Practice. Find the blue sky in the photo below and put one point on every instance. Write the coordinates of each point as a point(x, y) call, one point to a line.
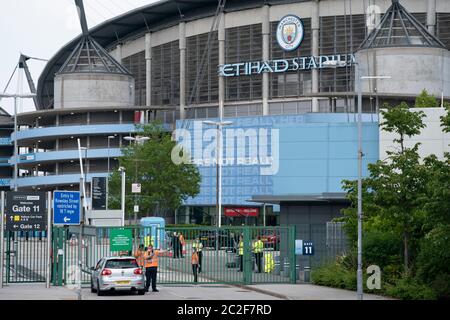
point(39, 28)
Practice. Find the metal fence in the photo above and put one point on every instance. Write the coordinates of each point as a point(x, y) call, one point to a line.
point(25, 257)
point(222, 259)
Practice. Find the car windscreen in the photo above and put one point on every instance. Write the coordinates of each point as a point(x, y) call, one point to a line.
point(121, 264)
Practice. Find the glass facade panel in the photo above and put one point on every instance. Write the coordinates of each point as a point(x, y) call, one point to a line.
point(207, 89)
point(137, 67)
point(243, 44)
point(443, 28)
point(166, 74)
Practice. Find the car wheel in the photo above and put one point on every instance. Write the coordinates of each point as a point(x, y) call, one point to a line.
point(93, 290)
point(99, 292)
point(141, 292)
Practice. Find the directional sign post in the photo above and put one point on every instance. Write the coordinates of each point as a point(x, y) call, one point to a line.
point(25, 211)
point(66, 207)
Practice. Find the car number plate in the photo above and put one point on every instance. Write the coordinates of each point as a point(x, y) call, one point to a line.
point(123, 282)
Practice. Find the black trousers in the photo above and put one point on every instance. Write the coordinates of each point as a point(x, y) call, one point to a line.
point(241, 263)
point(195, 272)
point(200, 258)
point(150, 277)
point(258, 259)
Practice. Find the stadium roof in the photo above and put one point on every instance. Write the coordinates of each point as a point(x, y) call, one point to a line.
point(399, 28)
point(134, 24)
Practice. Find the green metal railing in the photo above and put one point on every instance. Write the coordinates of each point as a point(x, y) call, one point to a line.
point(221, 260)
point(25, 257)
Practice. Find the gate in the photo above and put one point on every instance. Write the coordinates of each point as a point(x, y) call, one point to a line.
point(25, 257)
point(221, 259)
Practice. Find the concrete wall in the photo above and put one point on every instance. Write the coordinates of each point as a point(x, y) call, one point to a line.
point(433, 140)
point(412, 70)
point(93, 90)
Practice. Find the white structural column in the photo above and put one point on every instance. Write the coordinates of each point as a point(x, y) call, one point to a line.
point(182, 43)
point(221, 38)
point(431, 16)
point(315, 52)
point(265, 57)
point(119, 53)
point(148, 69)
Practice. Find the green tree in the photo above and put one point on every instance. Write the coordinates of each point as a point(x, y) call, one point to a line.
point(425, 100)
point(165, 185)
point(392, 192)
point(445, 119)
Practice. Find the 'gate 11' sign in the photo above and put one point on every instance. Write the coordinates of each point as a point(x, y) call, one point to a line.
point(25, 211)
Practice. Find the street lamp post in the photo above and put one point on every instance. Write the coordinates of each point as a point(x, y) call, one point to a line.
point(219, 126)
point(107, 178)
point(136, 139)
point(358, 84)
point(16, 96)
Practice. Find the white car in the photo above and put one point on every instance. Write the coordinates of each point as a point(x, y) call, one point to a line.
point(117, 274)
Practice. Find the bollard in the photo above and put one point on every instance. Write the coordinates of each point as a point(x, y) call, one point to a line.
point(277, 266)
point(307, 276)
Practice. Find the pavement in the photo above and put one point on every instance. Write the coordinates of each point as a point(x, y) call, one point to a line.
point(308, 292)
point(37, 291)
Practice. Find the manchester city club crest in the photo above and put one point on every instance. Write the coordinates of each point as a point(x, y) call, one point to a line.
point(290, 32)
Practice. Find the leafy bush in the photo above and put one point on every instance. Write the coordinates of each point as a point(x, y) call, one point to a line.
point(410, 289)
point(432, 263)
point(381, 248)
point(334, 275)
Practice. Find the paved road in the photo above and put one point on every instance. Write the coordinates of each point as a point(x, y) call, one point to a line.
point(187, 292)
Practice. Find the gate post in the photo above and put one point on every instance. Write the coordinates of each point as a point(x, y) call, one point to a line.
point(293, 257)
point(49, 239)
point(2, 236)
point(247, 256)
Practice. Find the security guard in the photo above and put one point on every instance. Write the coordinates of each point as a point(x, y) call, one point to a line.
point(241, 254)
point(198, 246)
point(258, 248)
point(151, 268)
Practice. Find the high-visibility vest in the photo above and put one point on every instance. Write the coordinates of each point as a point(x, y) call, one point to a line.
point(258, 246)
point(241, 248)
point(269, 263)
point(198, 246)
point(151, 261)
point(139, 255)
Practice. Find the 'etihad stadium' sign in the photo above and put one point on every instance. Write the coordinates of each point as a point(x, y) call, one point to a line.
point(283, 65)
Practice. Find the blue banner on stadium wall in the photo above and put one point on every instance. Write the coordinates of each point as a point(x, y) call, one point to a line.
point(278, 155)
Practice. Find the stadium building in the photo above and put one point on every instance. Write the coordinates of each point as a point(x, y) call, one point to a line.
point(261, 65)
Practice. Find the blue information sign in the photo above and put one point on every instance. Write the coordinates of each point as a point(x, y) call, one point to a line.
point(66, 207)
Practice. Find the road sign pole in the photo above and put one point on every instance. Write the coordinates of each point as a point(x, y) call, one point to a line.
point(49, 238)
point(80, 241)
point(2, 236)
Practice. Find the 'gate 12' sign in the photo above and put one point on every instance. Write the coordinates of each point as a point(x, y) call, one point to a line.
point(25, 211)
point(66, 207)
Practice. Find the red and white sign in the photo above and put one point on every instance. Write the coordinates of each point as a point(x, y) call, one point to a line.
point(241, 212)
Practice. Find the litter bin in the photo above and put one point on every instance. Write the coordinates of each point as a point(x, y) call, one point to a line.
point(307, 274)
